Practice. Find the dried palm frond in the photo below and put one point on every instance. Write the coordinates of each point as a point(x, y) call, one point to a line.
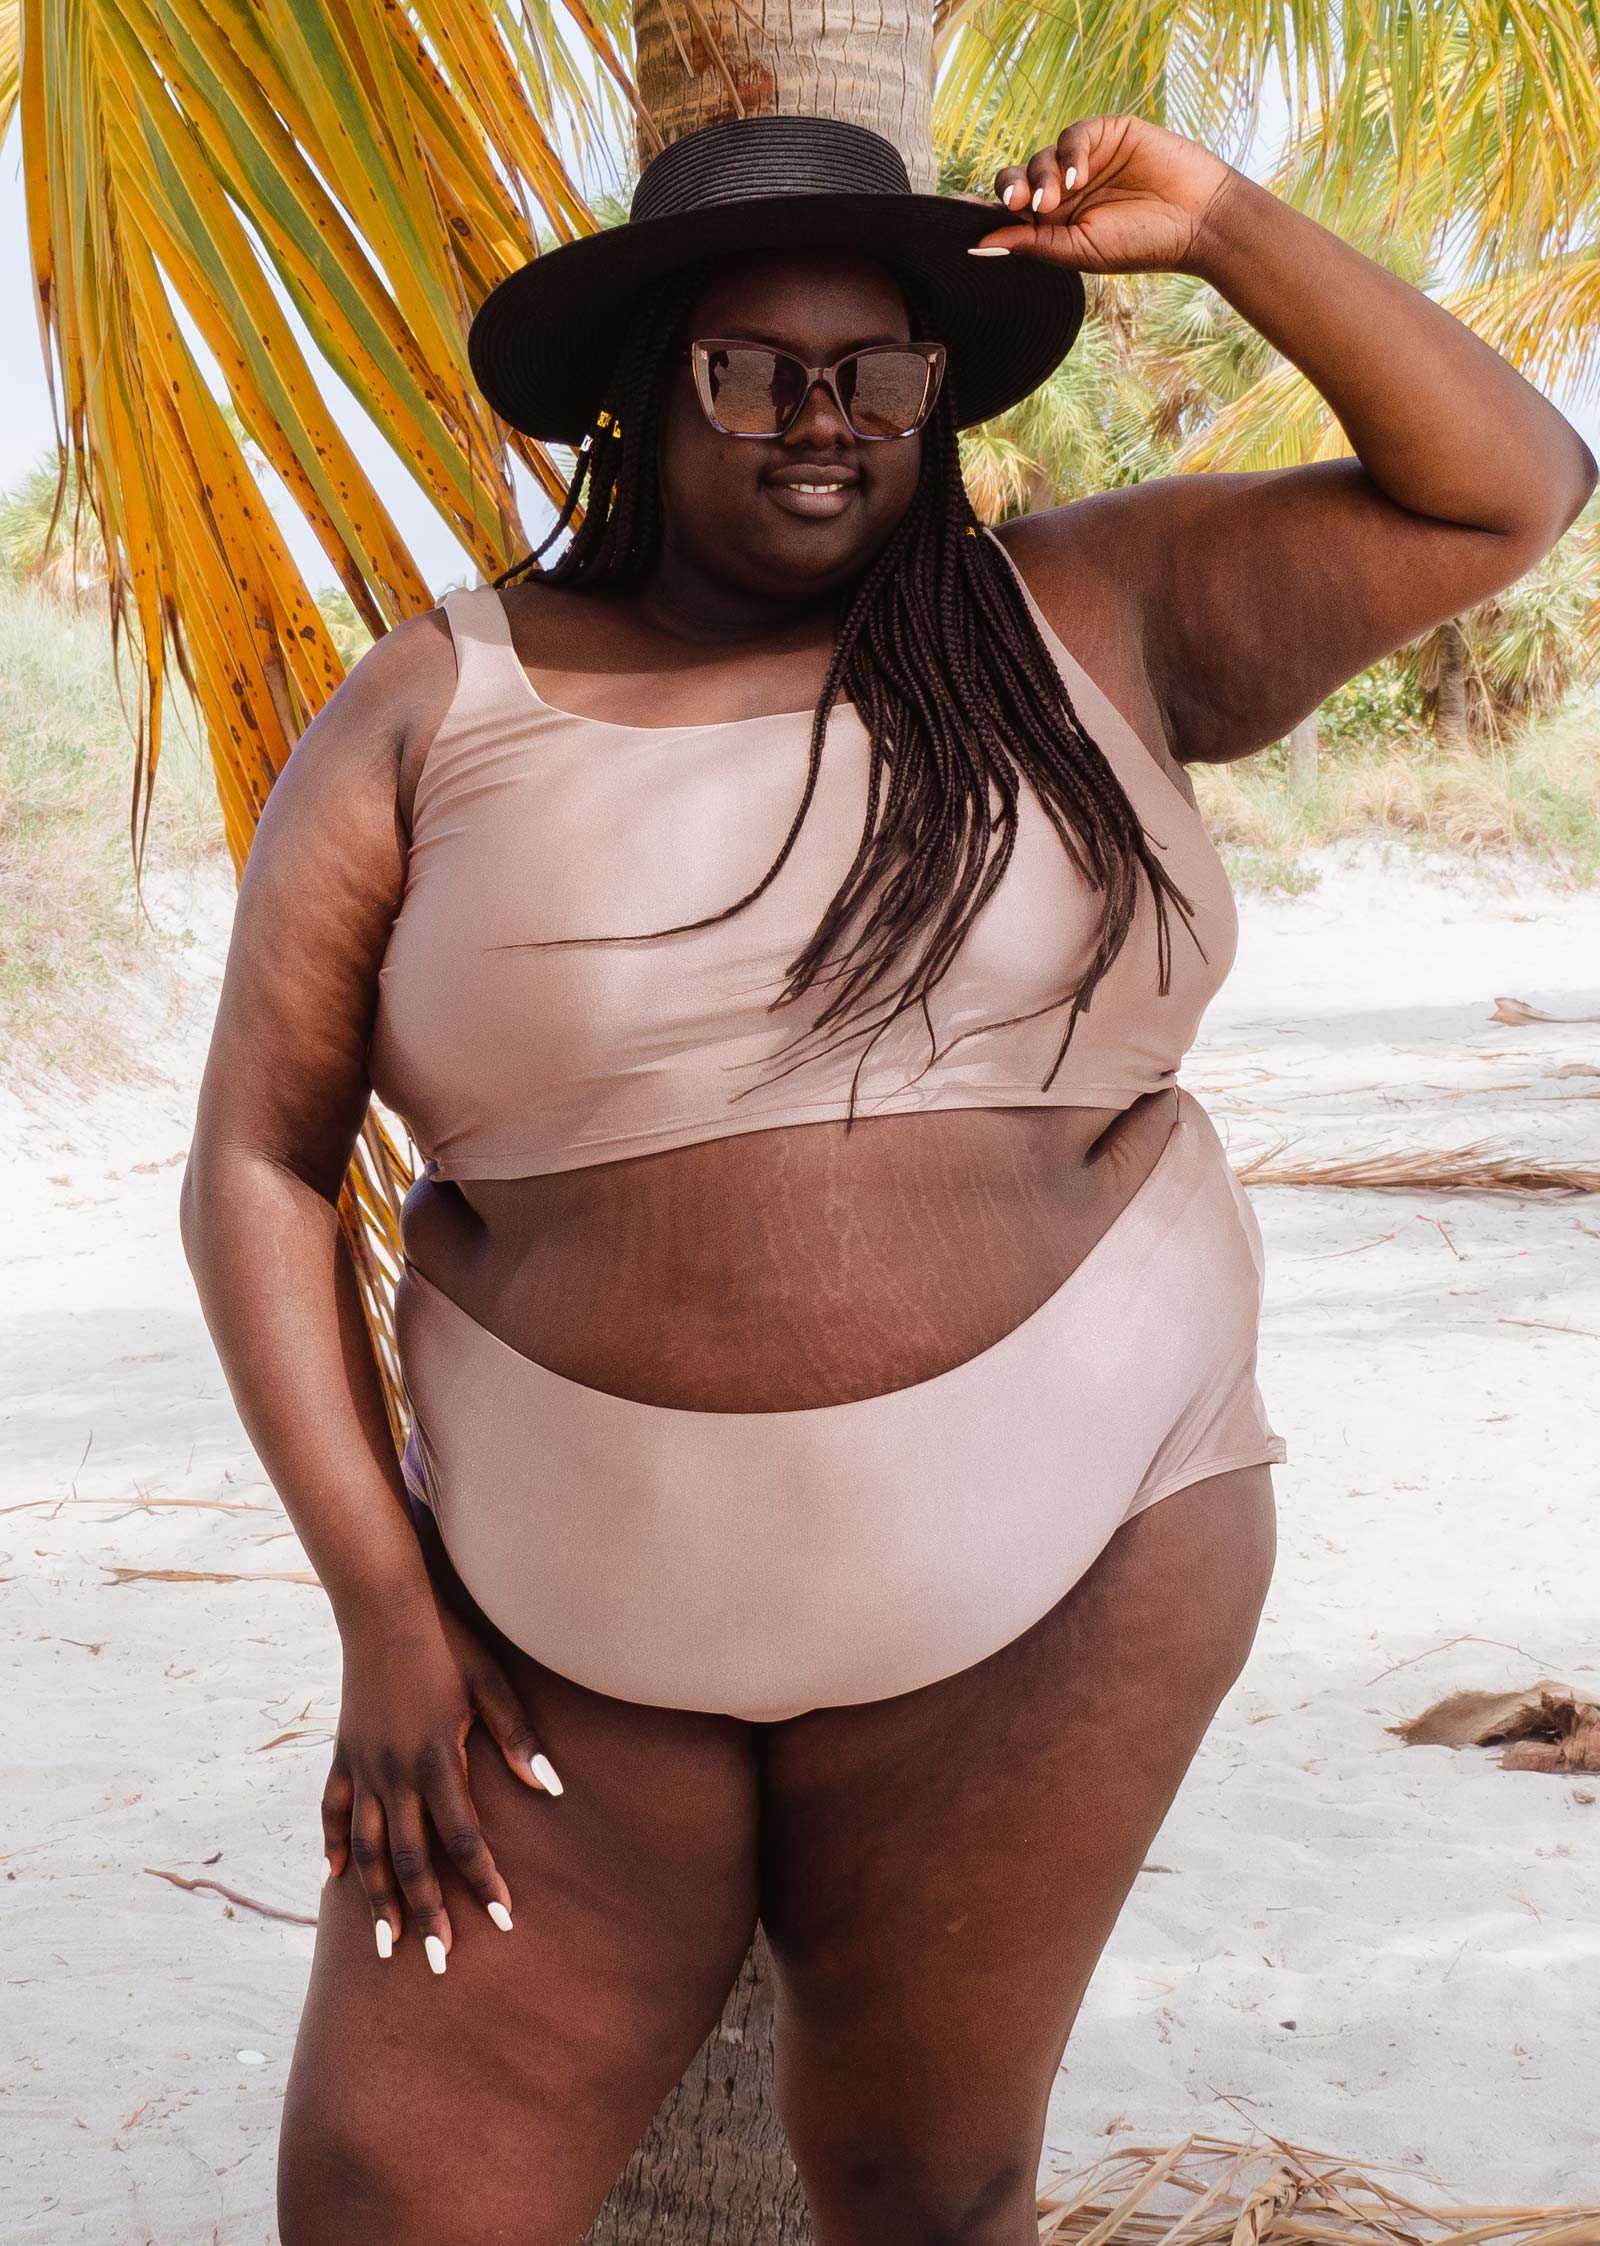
point(1479, 1167)
point(999, 474)
point(240, 219)
point(1217, 2191)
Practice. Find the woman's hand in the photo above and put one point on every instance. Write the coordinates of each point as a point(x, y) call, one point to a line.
point(1114, 195)
point(411, 1694)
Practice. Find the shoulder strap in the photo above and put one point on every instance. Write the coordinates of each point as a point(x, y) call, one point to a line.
point(1051, 637)
point(487, 670)
point(1099, 714)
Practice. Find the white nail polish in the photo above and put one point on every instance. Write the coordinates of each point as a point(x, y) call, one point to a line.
point(1012, 192)
point(995, 251)
point(385, 1937)
point(435, 1950)
point(501, 1917)
point(1038, 197)
point(544, 1771)
point(1071, 174)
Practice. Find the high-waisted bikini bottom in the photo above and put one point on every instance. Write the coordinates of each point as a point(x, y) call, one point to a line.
point(763, 1563)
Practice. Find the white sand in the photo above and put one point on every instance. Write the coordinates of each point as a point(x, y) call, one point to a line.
point(1387, 1952)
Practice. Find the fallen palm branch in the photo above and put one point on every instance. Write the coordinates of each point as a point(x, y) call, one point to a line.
point(1275, 2194)
point(232, 1895)
point(1517, 1011)
point(1483, 1166)
point(208, 1575)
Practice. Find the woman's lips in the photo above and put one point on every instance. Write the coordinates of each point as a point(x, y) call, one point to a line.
point(819, 505)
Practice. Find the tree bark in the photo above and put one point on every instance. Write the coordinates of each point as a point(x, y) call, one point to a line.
point(713, 2169)
point(801, 59)
point(1303, 755)
point(1450, 696)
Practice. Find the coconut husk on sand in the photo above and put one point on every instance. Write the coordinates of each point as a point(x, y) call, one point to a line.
point(1546, 1725)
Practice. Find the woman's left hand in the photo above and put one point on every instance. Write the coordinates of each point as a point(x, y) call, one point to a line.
point(1112, 195)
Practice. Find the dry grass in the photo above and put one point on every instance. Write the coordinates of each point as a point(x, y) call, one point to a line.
point(1538, 798)
point(70, 925)
point(1215, 2191)
point(1482, 1166)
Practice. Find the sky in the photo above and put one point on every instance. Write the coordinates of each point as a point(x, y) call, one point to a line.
point(26, 430)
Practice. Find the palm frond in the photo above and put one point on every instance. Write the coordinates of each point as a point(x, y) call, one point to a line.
point(1541, 319)
point(10, 60)
point(1225, 2191)
point(1489, 111)
point(238, 213)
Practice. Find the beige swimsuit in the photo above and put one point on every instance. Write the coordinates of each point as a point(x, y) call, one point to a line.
point(763, 1563)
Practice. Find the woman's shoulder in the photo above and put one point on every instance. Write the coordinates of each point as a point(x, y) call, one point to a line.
point(1084, 565)
point(366, 742)
point(388, 682)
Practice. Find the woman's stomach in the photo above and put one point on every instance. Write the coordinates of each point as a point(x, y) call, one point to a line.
point(791, 1267)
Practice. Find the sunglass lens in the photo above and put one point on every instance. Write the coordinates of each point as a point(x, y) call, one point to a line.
point(884, 391)
point(753, 390)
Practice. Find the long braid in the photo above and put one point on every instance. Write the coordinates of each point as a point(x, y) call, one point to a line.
point(963, 702)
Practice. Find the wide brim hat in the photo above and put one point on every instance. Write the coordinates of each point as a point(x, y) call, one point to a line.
point(543, 343)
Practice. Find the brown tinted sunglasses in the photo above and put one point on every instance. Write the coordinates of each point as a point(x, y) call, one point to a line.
point(755, 390)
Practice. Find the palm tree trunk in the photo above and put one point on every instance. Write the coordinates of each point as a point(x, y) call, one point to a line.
point(799, 59)
point(1303, 755)
point(1450, 699)
point(714, 2169)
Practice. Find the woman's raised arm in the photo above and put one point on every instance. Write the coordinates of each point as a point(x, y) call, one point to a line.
point(1255, 595)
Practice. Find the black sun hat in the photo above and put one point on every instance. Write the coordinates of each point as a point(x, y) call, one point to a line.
point(544, 341)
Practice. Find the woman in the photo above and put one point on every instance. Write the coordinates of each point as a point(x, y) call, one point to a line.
point(840, 1490)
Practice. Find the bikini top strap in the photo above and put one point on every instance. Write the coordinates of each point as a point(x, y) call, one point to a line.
point(1099, 714)
point(1037, 613)
point(487, 670)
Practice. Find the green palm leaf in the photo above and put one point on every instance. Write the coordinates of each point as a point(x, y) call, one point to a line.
point(206, 169)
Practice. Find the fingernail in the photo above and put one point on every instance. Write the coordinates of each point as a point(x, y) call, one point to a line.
point(544, 1770)
point(501, 1917)
point(435, 1950)
point(1070, 175)
point(997, 251)
point(1038, 194)
point(327, 1872)
point(385, 1934)
point(1015, 189)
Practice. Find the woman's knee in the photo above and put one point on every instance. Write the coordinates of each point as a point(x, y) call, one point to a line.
point(338, 2185)
point(333, 2185)
point(896, 2196)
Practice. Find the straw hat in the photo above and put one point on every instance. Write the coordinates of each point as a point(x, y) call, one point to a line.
point(543, 342)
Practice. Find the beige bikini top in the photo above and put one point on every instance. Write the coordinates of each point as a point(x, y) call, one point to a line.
point(507, 1061)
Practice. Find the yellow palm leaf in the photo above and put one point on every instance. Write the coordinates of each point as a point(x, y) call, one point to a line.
point(1493, 106)
point(10, 56)
point(198, 172)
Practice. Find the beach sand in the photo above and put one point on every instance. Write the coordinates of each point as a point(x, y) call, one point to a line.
point(1383, 1951)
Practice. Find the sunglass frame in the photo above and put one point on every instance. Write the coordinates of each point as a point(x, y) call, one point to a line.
point(698, 354)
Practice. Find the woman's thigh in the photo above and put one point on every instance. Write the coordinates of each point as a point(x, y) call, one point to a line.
point(941, 1871)
point(501, 2100)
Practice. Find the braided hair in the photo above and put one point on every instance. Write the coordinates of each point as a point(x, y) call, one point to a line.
point(942, 658)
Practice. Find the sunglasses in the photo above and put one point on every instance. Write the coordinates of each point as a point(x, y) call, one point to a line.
point(755, 390)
